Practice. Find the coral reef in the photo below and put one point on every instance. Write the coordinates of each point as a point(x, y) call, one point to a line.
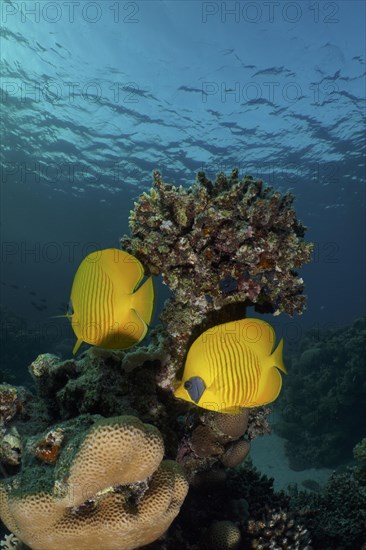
point(244, 501)
point(82, 385)
point(336, 517)
point(219, 247)
point(109, 487)
point(323, 409)
point(258, 422)
point(199, 439)
point(107, 383)
point(89, 470)
point(246, 482)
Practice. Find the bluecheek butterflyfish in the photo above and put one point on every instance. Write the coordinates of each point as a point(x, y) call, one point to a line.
point(232, 366)
point(107, 307)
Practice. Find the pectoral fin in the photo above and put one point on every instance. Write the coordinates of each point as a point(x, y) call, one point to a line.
point(77, 345)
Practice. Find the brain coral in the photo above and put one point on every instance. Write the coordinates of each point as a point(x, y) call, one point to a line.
point(109, 490)
point(223, 535)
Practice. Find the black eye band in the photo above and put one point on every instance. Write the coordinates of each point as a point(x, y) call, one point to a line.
point(195, 387)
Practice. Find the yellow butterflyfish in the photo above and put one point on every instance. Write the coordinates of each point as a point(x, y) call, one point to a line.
point(232, 366)
point(108, 308)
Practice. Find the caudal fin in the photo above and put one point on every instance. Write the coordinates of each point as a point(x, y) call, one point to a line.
point(276, 357)
point(143, 300)
point(270, 388)
point(271, 381)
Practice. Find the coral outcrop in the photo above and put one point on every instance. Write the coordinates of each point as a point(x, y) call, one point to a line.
point(219, 246)
point(108, 489)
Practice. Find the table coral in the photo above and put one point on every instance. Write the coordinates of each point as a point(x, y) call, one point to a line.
point(108, 489)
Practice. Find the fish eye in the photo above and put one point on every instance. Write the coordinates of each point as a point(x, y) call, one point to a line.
point(188, 385)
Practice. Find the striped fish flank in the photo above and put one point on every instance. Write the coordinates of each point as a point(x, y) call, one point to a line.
point(233, 366)
point(95, 300)
point(109, 308)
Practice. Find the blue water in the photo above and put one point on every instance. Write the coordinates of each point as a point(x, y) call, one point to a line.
point(95, 95)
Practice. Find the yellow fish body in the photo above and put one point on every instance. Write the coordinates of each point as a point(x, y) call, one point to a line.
point(106, 310)
point(232, 366)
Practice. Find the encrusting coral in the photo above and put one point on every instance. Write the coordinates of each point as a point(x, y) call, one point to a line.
point(108, 489)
